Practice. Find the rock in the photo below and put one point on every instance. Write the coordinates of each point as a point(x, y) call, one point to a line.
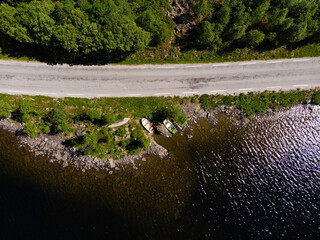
point(156, 149)
point(80, 132)
point(189, 136)
point(243, 121)
point(162, 130)
point(65, 164)
point(111, 163)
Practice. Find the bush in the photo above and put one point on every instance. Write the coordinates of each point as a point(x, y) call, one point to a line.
point(25, 110)
point(171, 111)
point(227, 100)
point(92, 147)
point(121, 132)
point(109, 118)
point(31, 129)
point(94, 114)
point(5, 109)
point(316, 98)
point(205, 102)
point(58, 120)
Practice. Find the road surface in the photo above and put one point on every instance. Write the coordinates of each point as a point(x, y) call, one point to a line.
point(32, 78)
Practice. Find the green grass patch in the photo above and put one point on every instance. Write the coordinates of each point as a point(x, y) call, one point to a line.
point(252, 103)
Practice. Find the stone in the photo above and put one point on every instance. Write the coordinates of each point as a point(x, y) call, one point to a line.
point(80, 132)
point(189, 136)
point(111, 163)
point(162, 130)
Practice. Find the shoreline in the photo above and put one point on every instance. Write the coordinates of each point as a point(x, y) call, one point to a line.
point(53, 148)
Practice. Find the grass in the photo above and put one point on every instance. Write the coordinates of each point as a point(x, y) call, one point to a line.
point(162, 55)
point(260, 102)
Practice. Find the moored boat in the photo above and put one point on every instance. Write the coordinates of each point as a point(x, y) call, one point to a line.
point(169, 125)
point(147, 125)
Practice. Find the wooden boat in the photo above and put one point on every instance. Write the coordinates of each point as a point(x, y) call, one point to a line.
point(169, 125)
point(147, 125)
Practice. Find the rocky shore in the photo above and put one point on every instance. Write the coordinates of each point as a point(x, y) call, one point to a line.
point(52, 146)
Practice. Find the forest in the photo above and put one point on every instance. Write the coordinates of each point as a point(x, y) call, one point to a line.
point(103, 31)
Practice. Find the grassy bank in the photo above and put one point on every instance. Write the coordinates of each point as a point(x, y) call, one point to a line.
point(86, 121)
point(162, 55)
point(260, 102)
point(172, 55)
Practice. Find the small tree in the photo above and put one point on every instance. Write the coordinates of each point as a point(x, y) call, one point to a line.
point(5, 109)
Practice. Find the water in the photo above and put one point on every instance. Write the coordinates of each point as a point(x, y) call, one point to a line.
point(260, 181)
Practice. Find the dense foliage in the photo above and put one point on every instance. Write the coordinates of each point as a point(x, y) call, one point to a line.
point(261, 22)
point(82, 28)
point(93, 31)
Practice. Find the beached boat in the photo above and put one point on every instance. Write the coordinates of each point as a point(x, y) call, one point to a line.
point(147, 125)
point(169, 125)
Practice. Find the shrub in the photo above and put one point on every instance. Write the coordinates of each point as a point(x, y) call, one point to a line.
point(121, 132)
point(109, 118)
point(227, 100)
point(94, 114)
point(5, 109)
point(92, 147)
point(205, 102)
point(58, 119)
point(44, 126)
point(106, 135)
point(31, 129)
point(26, 108)
point(316, 98)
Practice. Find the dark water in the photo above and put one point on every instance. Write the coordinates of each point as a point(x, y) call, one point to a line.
point(261, 181)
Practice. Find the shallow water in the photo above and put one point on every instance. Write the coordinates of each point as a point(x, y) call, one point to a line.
point(261, 181)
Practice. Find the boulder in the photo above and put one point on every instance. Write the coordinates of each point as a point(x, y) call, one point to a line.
point(80, 132)
point(159, 128)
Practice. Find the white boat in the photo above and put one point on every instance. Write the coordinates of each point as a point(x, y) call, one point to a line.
point(147, 125)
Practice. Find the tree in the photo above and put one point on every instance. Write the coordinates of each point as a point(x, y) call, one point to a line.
point(209, 36)
point(152, 24)
point(122, 34)
point(253, 38)
point(223, 15)
point(35, 17)
point(260, 11)
point(240, 23)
